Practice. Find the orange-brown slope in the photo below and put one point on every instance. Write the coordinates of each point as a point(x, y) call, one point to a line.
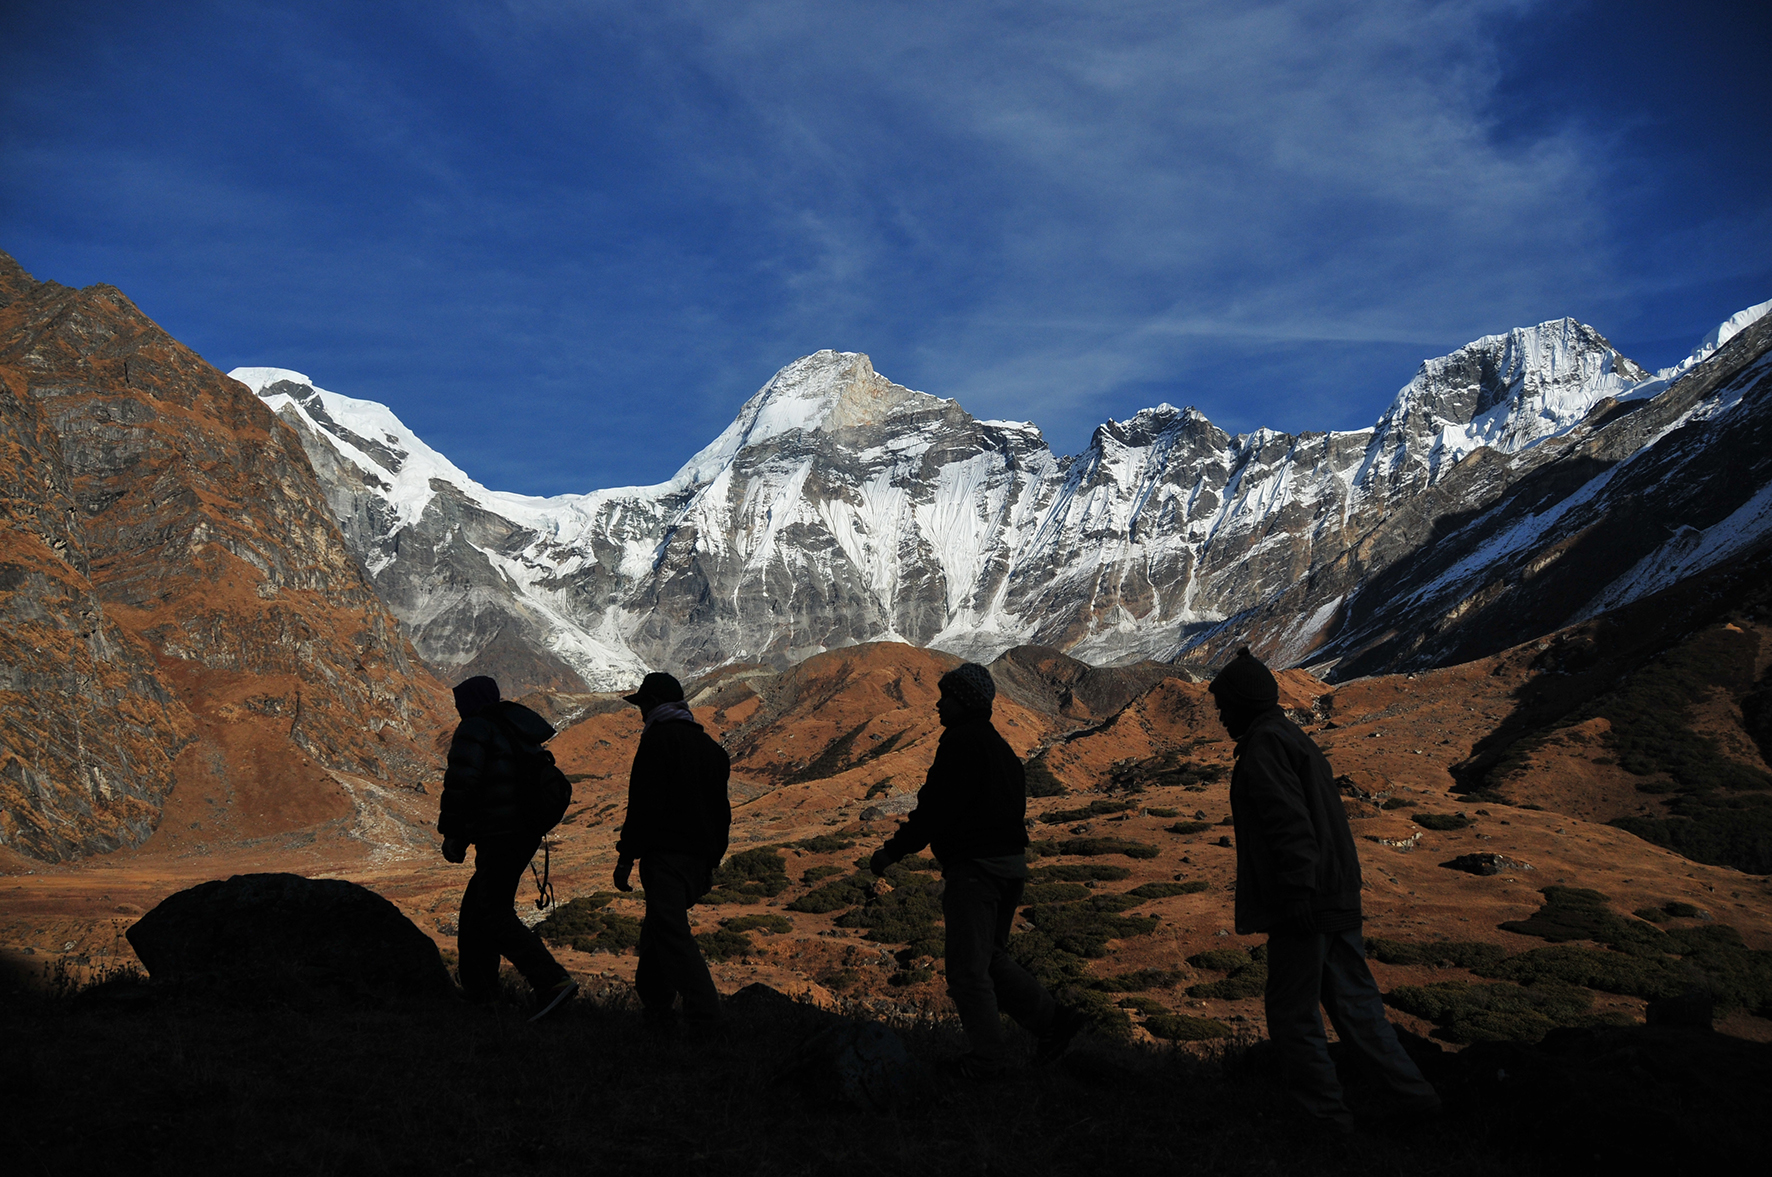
point(203, 534)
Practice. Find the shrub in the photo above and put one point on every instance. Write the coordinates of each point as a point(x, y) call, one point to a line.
point(1654, 915)
point(1463, 954)
point(1079, 872)
point(1185, 1027)
point(1093, 809)
point(1596, 968)
point(750, 876)
point(1139, 980)
point(762, 922)
point(1155, 812)
point(1576, 913)
point(1084, 928)
point(1093, 847)
point(581, 923)
point(1247, 973)
point(1040, 781)
point(1055, 893)
point(1188, 827)
point(1397, 803)
point(725, 944)
point(1164, 890)
point(1144, 1005)
point(836, 895)
point(1681, 911)
point(1442, 821)
point(823, 844)
point(1468, 1011)
point(812, 874)
point(905, 915)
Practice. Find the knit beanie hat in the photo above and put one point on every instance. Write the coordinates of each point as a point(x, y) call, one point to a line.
point(969, 685)
point(475, 695)
point(657, 687)
point(1245, 680)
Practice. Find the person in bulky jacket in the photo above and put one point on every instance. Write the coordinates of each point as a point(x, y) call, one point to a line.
point(479, 808)
point(676, 826)
point(1298, 880)
point(972, 810)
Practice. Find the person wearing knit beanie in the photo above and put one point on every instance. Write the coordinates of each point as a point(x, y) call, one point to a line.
point(1298, 880)
point(970, 686)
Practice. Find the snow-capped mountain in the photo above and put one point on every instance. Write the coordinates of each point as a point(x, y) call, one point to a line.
point(839, 507)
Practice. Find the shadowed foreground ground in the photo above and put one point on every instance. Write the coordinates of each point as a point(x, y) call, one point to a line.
point(140, 1078)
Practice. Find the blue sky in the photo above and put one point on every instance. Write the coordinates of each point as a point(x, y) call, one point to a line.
point(565, 241)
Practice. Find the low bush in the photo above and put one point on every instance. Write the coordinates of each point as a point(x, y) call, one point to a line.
point(1093, 847)
point(1084, 928)
point(1469, 1011)
point(835, 896)
point(1164, 890)
point(1054, 893)
point(1188, 827)
point(1093, 809)
point(1066, 975)
point(725, 944)
point(1654, 915)
point(1143, 1005)
point(1220, 960)
point(1681, 911)
point(1596, 968)
point(1155, 812)
point(812, 874)
point(1039, 779)
point(1443, 822)
point(908, 914)
point(1397, 803)
point(1185, 1027)
point(1463, 954)
point(769, 922)
point(1079, 872)
point(1139, 980)
point(582, 924)
point(1247, 973)
point(749, 876)
point(823, 844)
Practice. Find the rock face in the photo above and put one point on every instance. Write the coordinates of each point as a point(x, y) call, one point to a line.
point(841, 508)
point(284, 928)
point(180, 604)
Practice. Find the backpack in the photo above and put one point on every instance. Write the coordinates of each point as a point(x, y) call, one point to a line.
point(543, 792)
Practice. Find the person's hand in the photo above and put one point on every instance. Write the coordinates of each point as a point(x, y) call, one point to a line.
point(880, 861)
point(455, 850)
point(624, 869)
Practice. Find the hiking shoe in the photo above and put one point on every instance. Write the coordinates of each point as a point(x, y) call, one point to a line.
point(553, 997)
point(1066, 1024)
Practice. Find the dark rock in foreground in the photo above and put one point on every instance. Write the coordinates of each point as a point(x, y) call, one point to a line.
point(283, 928)
point(1486, 864)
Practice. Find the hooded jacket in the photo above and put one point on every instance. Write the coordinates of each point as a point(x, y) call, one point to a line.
point(677, 802)
point(973, 804)
point(1294, 846)
point(480, 785)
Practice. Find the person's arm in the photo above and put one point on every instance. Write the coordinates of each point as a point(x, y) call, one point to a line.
point(1276, 800)
point(462, 779)
point(927, 821)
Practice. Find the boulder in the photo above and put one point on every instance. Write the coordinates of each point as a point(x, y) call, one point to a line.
point(862, 1064)
point(1486, 864)
point(283, 929)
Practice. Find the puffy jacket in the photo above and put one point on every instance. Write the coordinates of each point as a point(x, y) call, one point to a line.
point(480, 785)
point(677, 800)
point(973, 803)
point(1293, 842)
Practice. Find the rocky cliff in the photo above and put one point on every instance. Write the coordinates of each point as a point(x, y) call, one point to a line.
point(182, 609)
point(841, 508)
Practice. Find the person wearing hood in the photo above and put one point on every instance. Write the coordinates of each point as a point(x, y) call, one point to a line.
point(972, 810)
point(1298, 880)
point(676, 827)
point(480, 807)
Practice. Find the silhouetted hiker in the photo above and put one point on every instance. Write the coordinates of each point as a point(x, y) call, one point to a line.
point(676, 826)
point(1298, 880)
point(482, 806)
point(972, 809)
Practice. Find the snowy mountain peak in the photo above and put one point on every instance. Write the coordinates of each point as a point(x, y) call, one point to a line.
point(1719, 335)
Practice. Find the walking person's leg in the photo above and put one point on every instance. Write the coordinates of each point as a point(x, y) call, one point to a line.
point(1356, 1008)
point(476, 945)
point(969, 904)
point(668, 952)
point(1295, 1023)
point(504, 860)
point(1018, 994)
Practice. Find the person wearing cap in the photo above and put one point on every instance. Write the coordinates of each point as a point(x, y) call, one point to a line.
point(972, 810)
point(1298, 880)
point(677, 824)
point(479, 807)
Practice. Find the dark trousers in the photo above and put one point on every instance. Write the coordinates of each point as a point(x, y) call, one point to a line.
point(670, 959)
point(983, 978)
point(489, 925)
point(1308, 969)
